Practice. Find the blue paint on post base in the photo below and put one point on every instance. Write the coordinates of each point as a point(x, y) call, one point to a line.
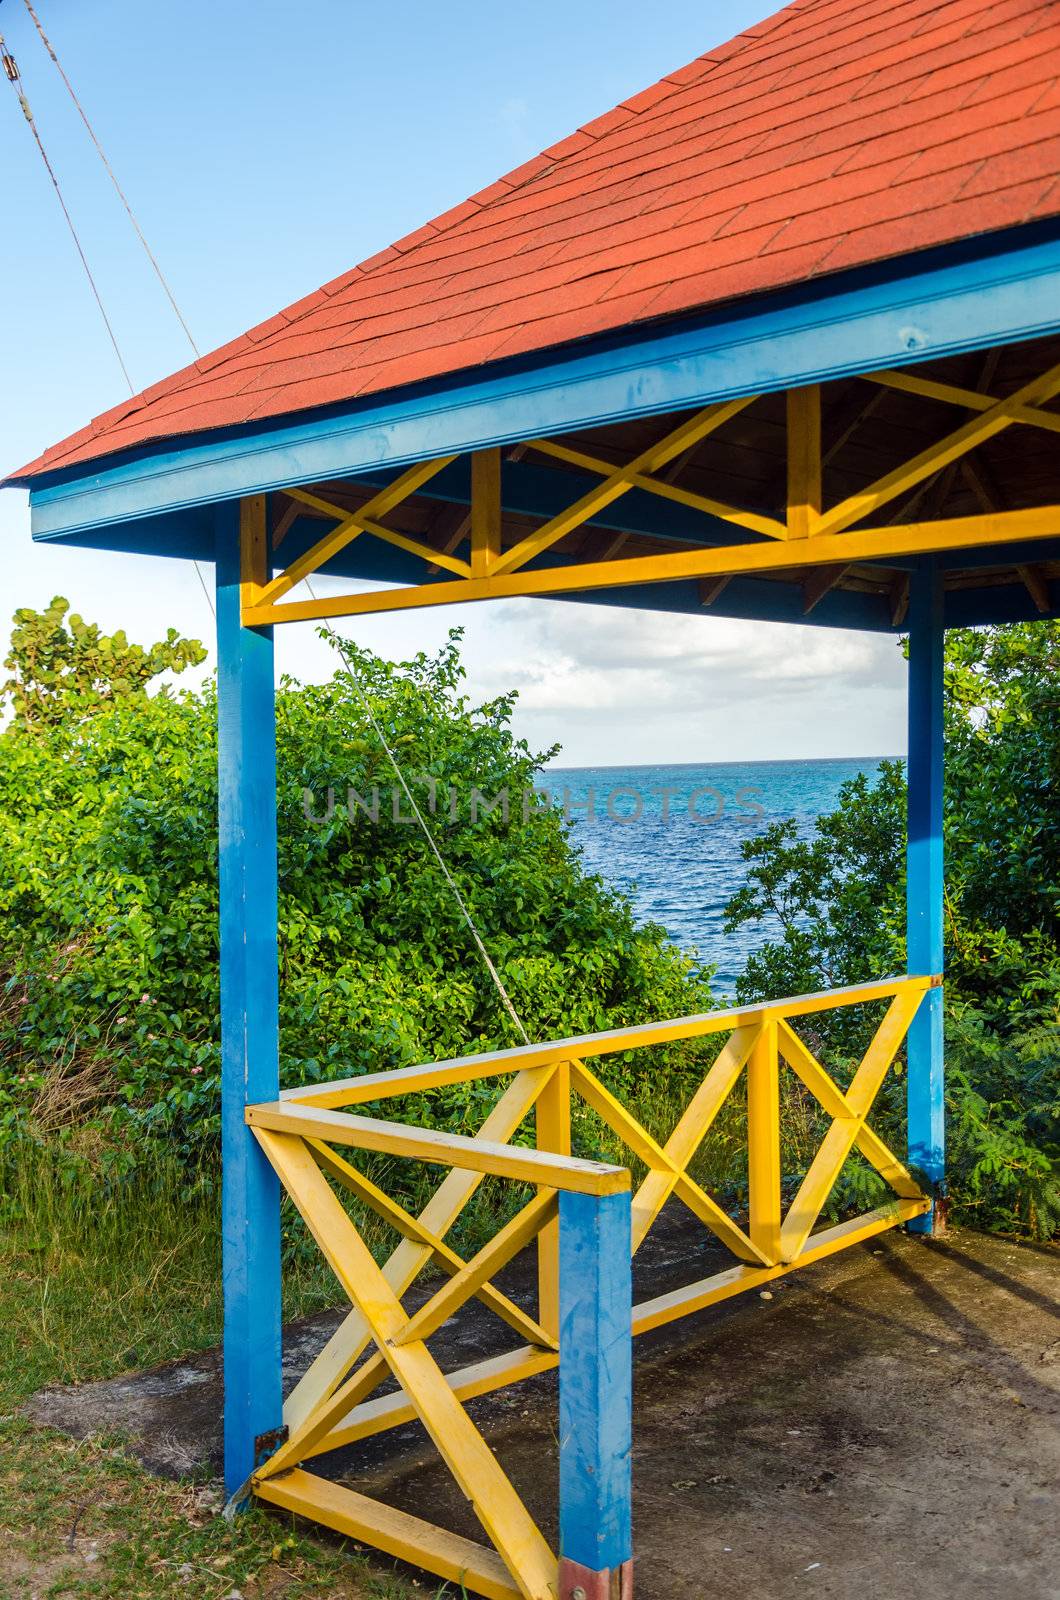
point(924, 878)
point(250, 1192)
point(595, 1382)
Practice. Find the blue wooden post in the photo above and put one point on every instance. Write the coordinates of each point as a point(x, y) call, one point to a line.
point(595, 1397)
point(924, 877)
point(249, 1016)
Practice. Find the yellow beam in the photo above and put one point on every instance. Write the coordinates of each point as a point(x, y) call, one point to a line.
point(620, 481)
point(737, 1280)
point(304, 1440)
point(763, 1142)
point(253, 550)
point(442, 1149)
point(929, 461)
point(498, 1372)
point(967, 399)
point(752, 520)
point(804, 460)
point(472, 1277)
point(471, 1567)
point(519, 1058)
point(467, 1383)
point(553, 1132)
point(403, 541)
point(860, 544)
point(485, 511)
point(691, 1130)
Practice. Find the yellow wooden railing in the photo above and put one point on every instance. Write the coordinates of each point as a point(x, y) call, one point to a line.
point(305, 1131)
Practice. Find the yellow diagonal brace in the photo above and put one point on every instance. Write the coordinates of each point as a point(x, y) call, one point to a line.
point(468, 1281)
point(968, 399)
point(928, 462)
point(502, 1514)
point(752, 520)
point(651, 1152)
point(690, 1131)
point(839, 1140)
point(471, 1279)
point(619, 482)
point(412, 1228)
point(404, 1265)
point(805, 1065)
point(403, 541)
point(353, 523)
point(303, 1441)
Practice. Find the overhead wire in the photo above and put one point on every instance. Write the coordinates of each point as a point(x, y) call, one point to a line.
point(159, 274)
point(13, 75)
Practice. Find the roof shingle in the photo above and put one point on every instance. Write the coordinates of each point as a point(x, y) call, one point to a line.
point(833, 134)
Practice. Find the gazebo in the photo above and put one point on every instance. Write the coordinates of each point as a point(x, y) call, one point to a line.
point(775, 339)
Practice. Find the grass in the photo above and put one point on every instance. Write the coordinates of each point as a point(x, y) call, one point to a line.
point(99, 1278)
point(95, 1282)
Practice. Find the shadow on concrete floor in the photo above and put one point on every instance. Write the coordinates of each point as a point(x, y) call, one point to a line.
point(885, 1424)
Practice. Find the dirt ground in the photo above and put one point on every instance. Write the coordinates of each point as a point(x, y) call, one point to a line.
point(879, 1425)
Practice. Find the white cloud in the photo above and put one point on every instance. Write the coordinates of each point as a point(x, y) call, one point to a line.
point(614, 686)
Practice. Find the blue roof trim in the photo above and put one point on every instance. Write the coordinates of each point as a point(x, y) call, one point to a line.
point(996, 289)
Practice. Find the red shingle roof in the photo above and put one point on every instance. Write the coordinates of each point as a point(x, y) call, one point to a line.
point(835, 133)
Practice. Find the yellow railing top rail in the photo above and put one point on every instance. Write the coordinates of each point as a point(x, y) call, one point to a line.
point(540, 1167)
point(494, 1063)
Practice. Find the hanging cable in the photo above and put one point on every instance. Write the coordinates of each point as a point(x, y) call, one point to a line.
point(111, 174)
point(13, 77)
point(454, 887)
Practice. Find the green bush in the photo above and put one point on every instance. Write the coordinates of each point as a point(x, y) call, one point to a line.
point(840, 898)
point(108, 893)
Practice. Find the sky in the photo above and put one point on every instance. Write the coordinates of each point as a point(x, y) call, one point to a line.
point(268, 147)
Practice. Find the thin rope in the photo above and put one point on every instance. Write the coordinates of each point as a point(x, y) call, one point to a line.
point(14, 78)
point(454, 887)
point(111, 174)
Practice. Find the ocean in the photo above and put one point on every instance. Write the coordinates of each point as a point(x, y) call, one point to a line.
point(671, 835)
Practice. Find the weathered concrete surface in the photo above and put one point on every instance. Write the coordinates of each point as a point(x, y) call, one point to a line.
point(887, 1424)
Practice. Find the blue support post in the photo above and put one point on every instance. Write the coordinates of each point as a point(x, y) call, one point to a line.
point(924, 878)
point(249, 1017)
point(595, 1397)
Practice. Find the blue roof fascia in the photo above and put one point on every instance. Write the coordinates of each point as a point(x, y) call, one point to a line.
point(995, 289)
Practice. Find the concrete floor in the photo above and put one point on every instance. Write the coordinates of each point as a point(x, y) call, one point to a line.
point(884, 1424)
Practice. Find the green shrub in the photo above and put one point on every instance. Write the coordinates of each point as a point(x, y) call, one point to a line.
point(108, 895)
point(840, 898)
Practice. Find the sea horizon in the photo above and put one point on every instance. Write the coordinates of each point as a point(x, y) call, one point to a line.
point(669, 834)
